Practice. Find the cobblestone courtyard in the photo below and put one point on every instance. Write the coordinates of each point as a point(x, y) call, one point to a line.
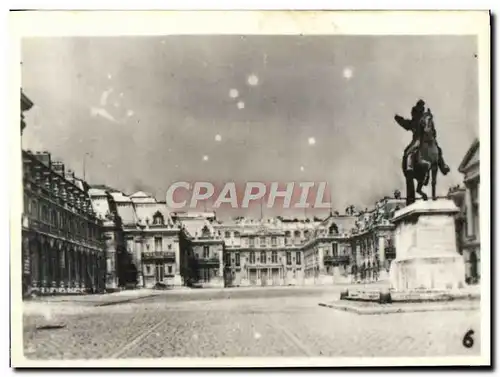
point(244, 322)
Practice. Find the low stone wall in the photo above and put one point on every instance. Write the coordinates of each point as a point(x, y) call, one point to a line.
point(386, 296)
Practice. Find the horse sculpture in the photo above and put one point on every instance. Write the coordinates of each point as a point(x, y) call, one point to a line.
point(426, 160)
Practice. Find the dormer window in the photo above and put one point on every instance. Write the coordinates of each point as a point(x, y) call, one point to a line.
point(333, 229)
point(205, 231)
point(158, 219)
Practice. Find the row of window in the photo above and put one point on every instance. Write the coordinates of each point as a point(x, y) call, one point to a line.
point(159, 270)
point(60, 219)
point(263, 258)
point(288, 234)
point(262, 241)
point(158, 244)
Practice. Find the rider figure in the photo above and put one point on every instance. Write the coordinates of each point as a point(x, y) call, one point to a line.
point(412, 125)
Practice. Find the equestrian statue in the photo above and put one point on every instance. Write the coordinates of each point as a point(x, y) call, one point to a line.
point(423, 156)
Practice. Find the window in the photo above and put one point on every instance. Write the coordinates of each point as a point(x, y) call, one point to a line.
point(474, 193)
point(227, 234)
point(206, 252)
point(227, 259)
point(45, 216)
point(252, 242)
point(158, 219)
point(169, 247)
point(288, 234)
point(205, 231)
point(262, 241)
point(296, 234)
point(148, 269)
point(335, 249)
point(53, 219)
point(274, 257)
point(252, 257)
point(274, 241)
point(236, 234)
point(288, 258)
point(333, 229)
point(262, 257)
point(237, 256)
point(306, 234)
point(169, 269)
point(158, 243)
point(298, 257)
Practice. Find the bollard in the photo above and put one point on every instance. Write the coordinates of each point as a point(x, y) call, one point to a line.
point(344, 294)
point(385, 297)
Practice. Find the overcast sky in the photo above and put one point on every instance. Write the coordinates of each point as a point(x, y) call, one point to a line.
point(151, 111)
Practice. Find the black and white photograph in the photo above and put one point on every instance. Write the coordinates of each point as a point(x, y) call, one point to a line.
point(274, 191)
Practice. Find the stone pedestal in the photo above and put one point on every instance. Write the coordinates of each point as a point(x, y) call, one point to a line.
point(426, 250)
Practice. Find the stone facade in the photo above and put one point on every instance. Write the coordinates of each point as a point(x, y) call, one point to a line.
point(256, 254)
point(467, 221)
point(113, 235)
point(150, 253)
point(202, 250)
point(62, 246)
point(327, 251)
point(372, 242)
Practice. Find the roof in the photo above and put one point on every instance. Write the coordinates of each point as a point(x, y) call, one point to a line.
point(126, 212)
point(194, 227)
point(119, 197)
point(343, 223)
point(471, 157)
point(100, 205)
point(94, 192)
point(142, 197)
point(146, 211)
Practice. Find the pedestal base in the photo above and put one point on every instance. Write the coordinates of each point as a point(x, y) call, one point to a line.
point(426, 250)
point(432, 272)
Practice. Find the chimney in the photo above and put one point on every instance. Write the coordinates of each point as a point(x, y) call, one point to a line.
point(44, 157)
point(58, 167)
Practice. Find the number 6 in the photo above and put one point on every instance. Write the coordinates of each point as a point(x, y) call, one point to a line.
point(468, 341)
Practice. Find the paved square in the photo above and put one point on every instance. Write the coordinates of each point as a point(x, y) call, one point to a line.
point(245, 322)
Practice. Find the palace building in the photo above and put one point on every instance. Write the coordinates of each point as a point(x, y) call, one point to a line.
point(62, 243)
point(202, 251)
point(77, 238)
point(372, 244)
point(327, 251)
point(151, 251)
point(467, 220)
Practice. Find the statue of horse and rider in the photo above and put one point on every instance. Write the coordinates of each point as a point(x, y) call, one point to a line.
point(422, 157)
